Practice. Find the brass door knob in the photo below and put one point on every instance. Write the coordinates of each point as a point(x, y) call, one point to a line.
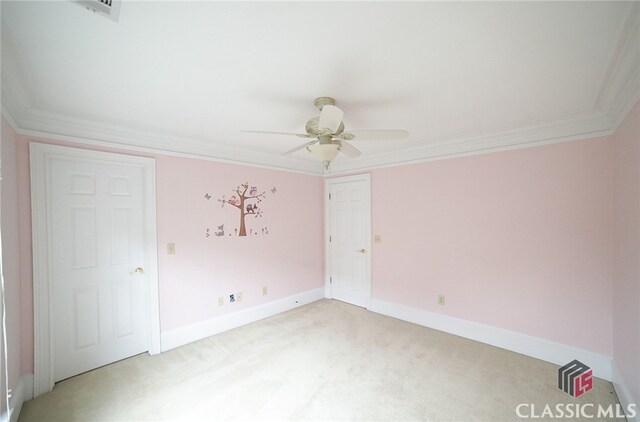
point(138, 270)
point(363, 250)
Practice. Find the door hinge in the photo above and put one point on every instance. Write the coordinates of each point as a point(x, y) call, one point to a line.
point(329, 238)
point(330, 280)
point(329, 197)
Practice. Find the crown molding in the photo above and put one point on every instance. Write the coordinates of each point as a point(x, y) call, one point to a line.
point(584, 125)
point(38, 123)
point(54, 126)
point(9, 118)
point(620, 89)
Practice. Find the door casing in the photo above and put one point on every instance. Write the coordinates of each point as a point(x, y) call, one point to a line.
point(40, 158)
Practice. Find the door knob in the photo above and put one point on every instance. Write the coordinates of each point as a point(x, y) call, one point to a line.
point(363, 250)
point(138, 270)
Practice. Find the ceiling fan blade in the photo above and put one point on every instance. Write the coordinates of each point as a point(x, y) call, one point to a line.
point(263, 132)
point(298, 148)
point(374, 135)
point(330, 118)
point(348, 149)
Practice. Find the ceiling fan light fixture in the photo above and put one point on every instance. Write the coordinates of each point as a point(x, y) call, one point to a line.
point(324, 152)
point(328, 129)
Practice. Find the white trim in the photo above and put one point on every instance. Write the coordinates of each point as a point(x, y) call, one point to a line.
point(40, 157)
point(9, 118)
point(153, 294)
point(535, 347)
point(620, 89)
point(42, 352)
point(48, 125)
point(203, 329)
point(327, 231)
point(624, 394)
point(364, 177)
point(579, 125)
point(475, 145)
point(22, 392)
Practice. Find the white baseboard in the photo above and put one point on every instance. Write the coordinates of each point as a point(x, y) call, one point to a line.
point(190, 333)
point(22, 392)
point(624, 394)
point(535, 347)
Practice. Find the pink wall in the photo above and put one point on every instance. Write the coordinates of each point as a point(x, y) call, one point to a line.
point(288, 260)
point(10, 254)
point(626, 257)
point(518, 239)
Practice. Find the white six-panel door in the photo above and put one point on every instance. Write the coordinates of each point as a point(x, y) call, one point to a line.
point(349, 229)
point(100, 256)
point(99, 300)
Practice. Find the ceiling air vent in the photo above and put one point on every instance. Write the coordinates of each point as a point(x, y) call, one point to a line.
point(107, 8)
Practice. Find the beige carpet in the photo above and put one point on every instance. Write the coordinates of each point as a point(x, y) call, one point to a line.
point(324, 361)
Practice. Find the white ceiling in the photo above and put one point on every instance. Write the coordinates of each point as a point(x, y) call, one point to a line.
point(191, 76)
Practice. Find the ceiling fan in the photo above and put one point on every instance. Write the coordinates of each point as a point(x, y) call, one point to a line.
point(329, 134)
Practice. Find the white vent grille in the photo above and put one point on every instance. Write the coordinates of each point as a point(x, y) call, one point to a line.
point(107, 8)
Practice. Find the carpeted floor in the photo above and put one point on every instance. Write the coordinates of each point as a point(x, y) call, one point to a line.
point(324, 361)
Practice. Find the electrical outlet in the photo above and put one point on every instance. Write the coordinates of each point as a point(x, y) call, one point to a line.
point(171, 248)
point(441, 300)
point(264, 290)
point(232, 298)
point(220, 301)
point(239, 297)
point(377, 238)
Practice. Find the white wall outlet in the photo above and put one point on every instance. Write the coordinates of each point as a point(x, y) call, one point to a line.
point(441, 300)
point(264, 290)
point(220, 301)
point(171, 248)
point(377, 238)
point(239, 297)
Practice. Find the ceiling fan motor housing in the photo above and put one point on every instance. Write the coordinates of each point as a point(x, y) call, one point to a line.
point(323, 101)
point(312, 128)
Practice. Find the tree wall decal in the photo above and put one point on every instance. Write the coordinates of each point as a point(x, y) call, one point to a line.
point(245, 202)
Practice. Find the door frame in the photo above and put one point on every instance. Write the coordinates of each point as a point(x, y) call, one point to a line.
point(364, 177)
point(40, 163)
